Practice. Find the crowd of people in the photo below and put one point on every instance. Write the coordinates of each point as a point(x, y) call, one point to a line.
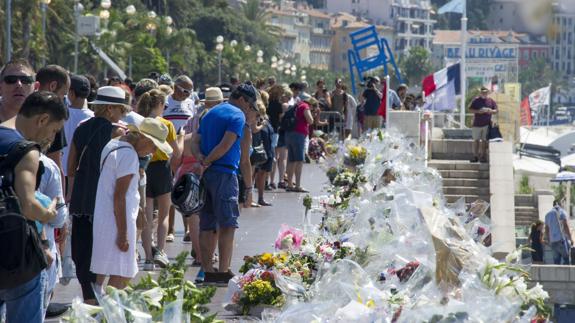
point(93, 168)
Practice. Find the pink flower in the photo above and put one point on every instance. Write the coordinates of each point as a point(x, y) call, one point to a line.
point(288, 238)
point(480, 231)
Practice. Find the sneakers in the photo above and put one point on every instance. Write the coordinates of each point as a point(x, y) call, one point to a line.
point(161, 259)
point(170, 237)
point(149, 265)
point(200, 277)
point(282, 185)
point(218, 278)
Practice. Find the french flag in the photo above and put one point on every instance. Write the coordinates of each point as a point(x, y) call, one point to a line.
point(441, 88)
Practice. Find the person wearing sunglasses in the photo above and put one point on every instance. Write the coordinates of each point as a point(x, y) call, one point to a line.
point(221, 145)
point(180, 107)
point(16, 84)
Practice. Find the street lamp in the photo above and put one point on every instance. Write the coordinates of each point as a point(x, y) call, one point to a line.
point(8, 45)
point(78, 8)
point(130, 10)
point(44, 6)
point(219, 49)
point(168, 20)
point(105, 4)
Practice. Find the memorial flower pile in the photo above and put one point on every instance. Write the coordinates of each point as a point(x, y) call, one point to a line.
point(388, 248)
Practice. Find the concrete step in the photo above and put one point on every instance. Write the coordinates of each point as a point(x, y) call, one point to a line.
point(448, 182)
point(466, 190)
point(468, 198)
point(452, 149)
point(457, 165)
point(469, 174)
point(524, 200)
point(456, 133)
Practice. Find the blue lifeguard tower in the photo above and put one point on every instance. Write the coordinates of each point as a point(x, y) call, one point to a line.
point(361, 40)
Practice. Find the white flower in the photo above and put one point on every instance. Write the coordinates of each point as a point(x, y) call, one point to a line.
point(308, 250)
point(537, 292)
point(513, 256)
point(348, 244)
point(287, 242)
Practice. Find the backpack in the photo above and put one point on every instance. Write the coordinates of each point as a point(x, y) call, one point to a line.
point(23, 257)
point(289, 119)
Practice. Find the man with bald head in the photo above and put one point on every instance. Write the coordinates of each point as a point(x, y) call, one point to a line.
point(180, 106)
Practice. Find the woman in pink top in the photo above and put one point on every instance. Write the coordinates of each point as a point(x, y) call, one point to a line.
point(295, 142)
point(213, 97)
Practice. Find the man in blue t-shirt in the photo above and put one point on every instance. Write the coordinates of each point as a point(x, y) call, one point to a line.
point(220, 147)
point(40, 117)
point(557, 234)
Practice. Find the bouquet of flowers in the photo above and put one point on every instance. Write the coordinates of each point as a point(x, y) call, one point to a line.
point(255, 288)
point(355, 155)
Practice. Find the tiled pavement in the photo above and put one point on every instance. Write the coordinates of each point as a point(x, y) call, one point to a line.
point(257, 232)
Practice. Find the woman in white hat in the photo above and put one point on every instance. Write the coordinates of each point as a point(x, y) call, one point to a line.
point(90, 138)
point(117, 202)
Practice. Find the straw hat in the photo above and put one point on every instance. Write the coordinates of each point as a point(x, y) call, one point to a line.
point(156, 131)
point(213, 94)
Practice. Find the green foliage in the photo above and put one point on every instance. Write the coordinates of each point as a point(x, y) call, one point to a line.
point(524, 187)
point(171, 280)
point(189, 48)
point(415, 65)
point(477, 13)
point(539, 74)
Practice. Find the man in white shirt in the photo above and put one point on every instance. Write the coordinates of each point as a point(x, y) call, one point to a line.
point(179, 106)
point(78, 110)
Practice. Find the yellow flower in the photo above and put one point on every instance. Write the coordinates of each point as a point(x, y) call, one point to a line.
point(267, 259)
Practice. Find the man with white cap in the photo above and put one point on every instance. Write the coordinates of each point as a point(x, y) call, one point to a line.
point(90, 138)
point(117, 202)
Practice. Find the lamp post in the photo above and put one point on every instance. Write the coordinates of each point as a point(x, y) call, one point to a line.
point(78, 8)
point(44, 5)
point(130, 11)
point(219, 49)
point(8, 45)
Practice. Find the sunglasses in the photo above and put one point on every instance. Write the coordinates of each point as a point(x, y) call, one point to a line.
point(24, 79)
point(186, 91)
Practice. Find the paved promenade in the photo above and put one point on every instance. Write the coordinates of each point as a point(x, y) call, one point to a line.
point(257, 233)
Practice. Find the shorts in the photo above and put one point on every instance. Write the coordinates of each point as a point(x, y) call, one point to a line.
point(275, 138)
point(281, 140)
point(267, 166)
point(479, 133)
point(159, 179)
point(372, 122)
point(221, 209)
point(295, 143)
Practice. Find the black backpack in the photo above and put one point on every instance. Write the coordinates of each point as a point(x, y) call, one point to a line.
point(289, 119)
point(22, 255)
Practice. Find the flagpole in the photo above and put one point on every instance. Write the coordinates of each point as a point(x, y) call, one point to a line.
point(548, 109)
point(463, 64)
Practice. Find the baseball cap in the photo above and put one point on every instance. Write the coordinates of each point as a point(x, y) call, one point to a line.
point(144, 85)
point(80, 85)
point(248, 91)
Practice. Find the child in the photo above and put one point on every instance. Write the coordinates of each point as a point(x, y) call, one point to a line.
point(316, 148)
point(536, 242)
